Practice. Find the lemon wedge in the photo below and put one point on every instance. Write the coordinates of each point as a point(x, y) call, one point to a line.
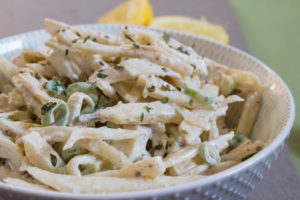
point(137, 12)
point(190, 25)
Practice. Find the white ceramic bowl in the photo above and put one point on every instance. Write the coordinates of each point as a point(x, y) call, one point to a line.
point(273, 126)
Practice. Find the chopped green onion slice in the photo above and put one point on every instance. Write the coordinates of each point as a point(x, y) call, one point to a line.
point(237, 139)
point(191, 92)
point(164, 100)
point(55, 87)
point(92, 168)
point(68, 154)
point(55, 113)
point(142, 117)
point(53, 160)
point(83, 87)
point(209, 154)
point(61, 170)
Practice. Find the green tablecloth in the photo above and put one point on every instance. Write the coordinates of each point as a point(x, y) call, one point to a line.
point(272, 33)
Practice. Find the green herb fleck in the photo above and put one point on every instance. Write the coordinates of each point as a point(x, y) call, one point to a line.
point(164, 69)
point(184, 132)
point(136, 45)
point(63, 30)
point(101, 63)
point(101, 75)
point(191, 102)
point(168, 134)
point(166, 37)
point(74, 41)
point(183, 50)
point(179, 89)
point(148, 44)
point(86, 38)
point(155, 148)
point(2, 161)
point(67, 52)
point(78, 34)
point(142, 117)
point(33, 117)
point(53, 160)
point(164, 100)
point(148, 108)
point(117, 60)
point(37, 76)
point(235, 91)
point(128, 37)
point(119, 67)
point(193, 46)
point(151, 89)
point(165, 87)
point(94, 40)
point(194, 66)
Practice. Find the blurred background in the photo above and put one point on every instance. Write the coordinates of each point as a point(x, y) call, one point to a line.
point(269, 30)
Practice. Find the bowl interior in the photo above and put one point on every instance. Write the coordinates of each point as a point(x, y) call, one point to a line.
point(277, 110)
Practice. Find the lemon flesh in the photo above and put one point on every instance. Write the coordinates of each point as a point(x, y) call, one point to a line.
point(190, 25)
point(136, 12)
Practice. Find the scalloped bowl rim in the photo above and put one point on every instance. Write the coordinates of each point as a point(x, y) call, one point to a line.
point(269, 149)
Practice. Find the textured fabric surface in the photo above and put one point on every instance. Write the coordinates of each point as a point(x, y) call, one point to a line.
point(17, 16)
